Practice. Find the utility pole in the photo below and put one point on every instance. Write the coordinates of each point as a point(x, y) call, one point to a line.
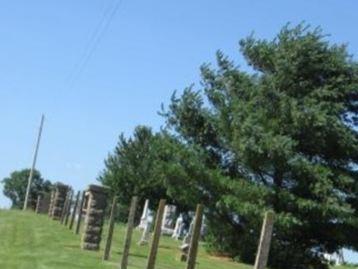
point(33, 163)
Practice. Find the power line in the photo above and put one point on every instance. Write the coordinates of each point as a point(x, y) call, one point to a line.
point(94, 40)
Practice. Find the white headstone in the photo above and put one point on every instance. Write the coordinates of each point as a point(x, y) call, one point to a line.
point(146, 231)
point(168, 219)
point(145, 214)
point(179, 228)
point(187, 237)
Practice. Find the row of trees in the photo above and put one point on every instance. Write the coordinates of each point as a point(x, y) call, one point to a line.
point(281, 137)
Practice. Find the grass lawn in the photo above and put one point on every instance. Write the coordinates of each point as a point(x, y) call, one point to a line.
point(36, 242)
point(33, 241)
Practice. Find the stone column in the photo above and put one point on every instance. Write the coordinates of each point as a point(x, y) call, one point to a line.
point(97, 200)
point(59, 200)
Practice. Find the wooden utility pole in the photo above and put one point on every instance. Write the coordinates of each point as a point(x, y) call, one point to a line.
point(156, 236)
point(107, 249)
point(29, 181)
point(265, 241)
point(128, 239)
point(194, 242)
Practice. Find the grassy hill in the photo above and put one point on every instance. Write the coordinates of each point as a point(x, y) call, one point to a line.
point(36, 242)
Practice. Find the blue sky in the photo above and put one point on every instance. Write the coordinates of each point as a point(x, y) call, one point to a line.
point(150, 49)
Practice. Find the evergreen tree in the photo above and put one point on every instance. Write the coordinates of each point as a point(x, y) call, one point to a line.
point(282, 137)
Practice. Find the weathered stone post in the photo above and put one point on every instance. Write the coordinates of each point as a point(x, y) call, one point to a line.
point(156, 236)
point(59, 200)
point(107, 249)
point(265, 241)
point(80, 209)
point(96, 205)
point(74, 211)
point(194, 242)
point(128, 238)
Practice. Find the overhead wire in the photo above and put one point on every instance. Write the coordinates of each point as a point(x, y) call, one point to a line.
point(92, 44)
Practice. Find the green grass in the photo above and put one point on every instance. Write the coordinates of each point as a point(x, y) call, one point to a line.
point(36, 242)
point(33, 241)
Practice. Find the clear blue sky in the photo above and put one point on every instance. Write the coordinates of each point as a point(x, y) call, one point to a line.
point(150, 49)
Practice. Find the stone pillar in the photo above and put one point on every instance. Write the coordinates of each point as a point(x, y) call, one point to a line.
point(59, 200)
point(96, 205)
point(265, 241)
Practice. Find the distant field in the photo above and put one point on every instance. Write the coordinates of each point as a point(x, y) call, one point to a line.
point(35, 242)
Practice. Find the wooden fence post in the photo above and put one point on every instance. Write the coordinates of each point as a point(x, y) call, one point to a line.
point(194, 242)
point(63, 213)
point(38, 202)
point(128, 238)
point(68, 210)
point(110, 229)
point(78, 225)
point(156, 235)
point(265, 241)
point(74, 210)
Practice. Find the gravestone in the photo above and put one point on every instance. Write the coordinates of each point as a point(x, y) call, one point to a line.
point(179, 228)
point(144, 217)
point(59, 200)
point(144, 240)
point(188, 235)
point(95, 212)
point(168, 220)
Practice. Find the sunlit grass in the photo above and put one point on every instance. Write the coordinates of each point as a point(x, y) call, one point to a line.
point(34, 241)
